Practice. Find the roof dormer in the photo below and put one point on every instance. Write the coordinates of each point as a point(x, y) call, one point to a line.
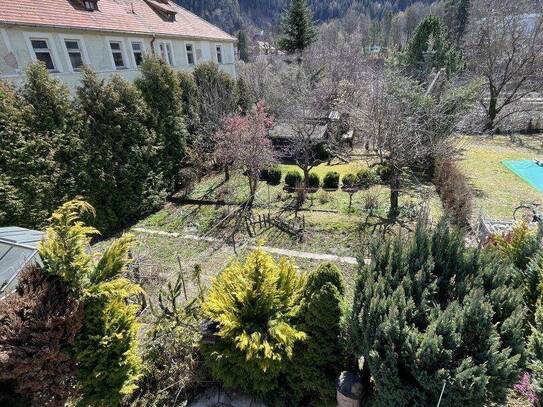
point(163, 9)
point(90, 5)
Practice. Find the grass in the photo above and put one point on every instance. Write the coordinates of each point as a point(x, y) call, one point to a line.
point(498, 190)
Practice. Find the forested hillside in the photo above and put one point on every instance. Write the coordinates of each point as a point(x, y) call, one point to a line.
point(231, 15)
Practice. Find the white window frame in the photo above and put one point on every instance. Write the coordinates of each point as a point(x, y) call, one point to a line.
point(126, 60)
point(159, 53)
point(219, 46)
point(29, 36)
point(143, 49)
point(83, 49)
point(193, 53)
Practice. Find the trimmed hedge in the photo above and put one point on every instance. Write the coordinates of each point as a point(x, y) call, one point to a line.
point(274, 176)
point(367, 177)
point(314, 181)
point(350, 181)
point(331, 180)
point(293, 178)
point(383, 171)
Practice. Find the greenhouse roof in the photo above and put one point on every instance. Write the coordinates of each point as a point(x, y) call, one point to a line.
point(18, 246)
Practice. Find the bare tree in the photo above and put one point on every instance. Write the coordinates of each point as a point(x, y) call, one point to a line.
point(504, 45)
point(243, 142)
point(408, 125)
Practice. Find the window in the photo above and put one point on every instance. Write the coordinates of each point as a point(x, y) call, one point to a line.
point(166, 52)
point(137, 50)
point(117, 54)
point(219, 54)
point(73, 47)
point(43, 52)
point(190, 54)
point(90, 5)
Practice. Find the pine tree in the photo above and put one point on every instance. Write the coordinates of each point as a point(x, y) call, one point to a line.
point(298, 28)
point(428, 49)
point(254, 305)
point(316, 362)
point(242, 46)
point(430, 310)
point(160, 87)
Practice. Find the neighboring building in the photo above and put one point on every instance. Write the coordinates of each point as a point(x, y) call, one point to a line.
point(18, 247)
point(111, 36)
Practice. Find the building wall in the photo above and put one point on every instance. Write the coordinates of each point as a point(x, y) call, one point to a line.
point(16, 52)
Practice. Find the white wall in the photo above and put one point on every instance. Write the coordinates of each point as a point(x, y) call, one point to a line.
point(96, 52)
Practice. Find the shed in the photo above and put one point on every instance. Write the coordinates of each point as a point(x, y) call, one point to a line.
point(18, 247)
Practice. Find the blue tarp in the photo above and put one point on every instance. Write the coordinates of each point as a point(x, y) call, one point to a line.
point(528, 170)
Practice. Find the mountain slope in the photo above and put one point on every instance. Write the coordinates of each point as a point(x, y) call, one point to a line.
point(232, 15)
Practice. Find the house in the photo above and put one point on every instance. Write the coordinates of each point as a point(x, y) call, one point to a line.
point(111, 36)
point(18, 248)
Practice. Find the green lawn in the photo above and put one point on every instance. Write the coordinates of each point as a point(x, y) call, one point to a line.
point(498, 190)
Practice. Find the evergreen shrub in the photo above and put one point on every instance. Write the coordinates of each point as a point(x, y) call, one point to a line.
point(367, 178)
point(331, 180)
point(313, 181)
point(293, 179)
point(274, 176)
point(349, 181)
point(429, 310)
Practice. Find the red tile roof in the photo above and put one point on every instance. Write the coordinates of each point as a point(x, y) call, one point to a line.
point(127, 16)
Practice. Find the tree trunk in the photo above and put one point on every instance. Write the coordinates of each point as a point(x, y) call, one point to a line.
point(306, 177)
point(491, 113)
point(226, 173)
point(394, 192)
point(253, 183)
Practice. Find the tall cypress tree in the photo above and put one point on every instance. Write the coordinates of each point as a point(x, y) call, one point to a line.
point(457, 15)
point(160, 87)
point(297, 27)
point(243, 47)
point(123, 179)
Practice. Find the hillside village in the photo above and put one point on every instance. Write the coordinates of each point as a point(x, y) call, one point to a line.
point(327, 205)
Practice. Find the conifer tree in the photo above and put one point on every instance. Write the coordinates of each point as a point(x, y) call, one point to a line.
point(123, 175)
point(429, 49)
point(429, 310)
point(218, 98)
point(160, 87)
point(189, 97)
point(254, 305)
point(106, 348)
point(242, 46)
point(457, 14)
point(535, 350)
point(313, 369)
point(297, 27)
point(41, 151)
point(13, 133)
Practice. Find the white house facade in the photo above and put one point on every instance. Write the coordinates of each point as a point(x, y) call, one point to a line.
point(110, 36)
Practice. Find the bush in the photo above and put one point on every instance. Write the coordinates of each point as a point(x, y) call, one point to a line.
point(367, 178)
point(331, 180)
point(429, 310)
point(39, 323)
point(106, 348)
point(383, 171)
point(264, 175)
point(535, 351)
point(518, 245)
point(254, 305)
point(350, 181)
point(455, 193)
point(314, 181)
point(293, 179)
point(173, 365)
point(274, 176)
point(312, 371)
